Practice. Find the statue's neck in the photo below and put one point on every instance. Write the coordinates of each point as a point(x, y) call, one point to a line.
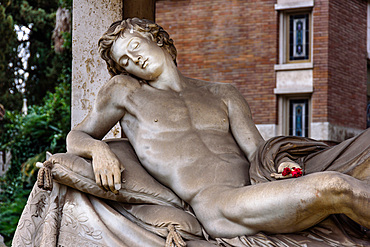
point(170, 79)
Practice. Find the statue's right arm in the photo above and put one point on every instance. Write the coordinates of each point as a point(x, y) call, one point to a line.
point(85, 139)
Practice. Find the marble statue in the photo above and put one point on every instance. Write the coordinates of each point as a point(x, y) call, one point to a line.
point(197, 140)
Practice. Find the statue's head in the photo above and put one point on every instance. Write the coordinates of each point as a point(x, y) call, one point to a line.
point(145, 28)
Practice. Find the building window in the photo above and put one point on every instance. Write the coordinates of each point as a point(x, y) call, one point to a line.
point(298, 117)
point(294, 115)
point(295, 32)
point(298, 39)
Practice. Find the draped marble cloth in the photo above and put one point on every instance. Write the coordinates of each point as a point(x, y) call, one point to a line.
point(78, 213)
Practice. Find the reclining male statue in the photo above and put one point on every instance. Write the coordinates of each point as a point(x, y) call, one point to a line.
point(193, 136)
point(198, 139)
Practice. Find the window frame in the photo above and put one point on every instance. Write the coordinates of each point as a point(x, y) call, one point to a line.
point(305, 117)
point(284, 109)
point(285, 39)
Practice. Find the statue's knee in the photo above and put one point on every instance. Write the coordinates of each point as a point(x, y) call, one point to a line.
point(334, 183)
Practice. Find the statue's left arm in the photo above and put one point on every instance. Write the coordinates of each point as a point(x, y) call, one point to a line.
point(242, 126)
point(245, 131)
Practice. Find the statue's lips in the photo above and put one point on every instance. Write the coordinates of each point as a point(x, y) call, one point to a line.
point(144, 64)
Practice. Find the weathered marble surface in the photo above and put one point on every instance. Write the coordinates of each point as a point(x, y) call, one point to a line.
point(90, 19)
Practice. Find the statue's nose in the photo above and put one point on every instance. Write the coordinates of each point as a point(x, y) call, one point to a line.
point(138, 60)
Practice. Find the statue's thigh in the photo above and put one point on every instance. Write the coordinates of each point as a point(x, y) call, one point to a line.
point(284, 205)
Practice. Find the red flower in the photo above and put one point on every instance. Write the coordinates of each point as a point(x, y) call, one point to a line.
point(296, 172)
point(286, 171)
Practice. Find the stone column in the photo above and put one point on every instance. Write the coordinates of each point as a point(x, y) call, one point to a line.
point(91, 18)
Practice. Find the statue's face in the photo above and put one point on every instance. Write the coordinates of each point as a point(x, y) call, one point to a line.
point(138, 55)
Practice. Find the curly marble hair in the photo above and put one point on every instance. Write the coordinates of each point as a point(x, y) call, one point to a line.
point(149, 30)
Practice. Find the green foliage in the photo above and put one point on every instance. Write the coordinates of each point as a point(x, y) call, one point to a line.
point(11, 207)
point(43, 66)
point(9, 61)
point(66, 4)
point(43, 128)
point(29, 137)
point(47, 123)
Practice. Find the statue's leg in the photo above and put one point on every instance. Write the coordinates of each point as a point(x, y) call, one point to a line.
point(282, 206)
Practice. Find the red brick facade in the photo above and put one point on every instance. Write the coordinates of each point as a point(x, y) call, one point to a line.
point(320, 61)
point(237, 42)
point(347, 63)
point(227, 41)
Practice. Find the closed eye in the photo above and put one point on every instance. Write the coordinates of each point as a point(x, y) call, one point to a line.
point(124, 60)
point(134, 45)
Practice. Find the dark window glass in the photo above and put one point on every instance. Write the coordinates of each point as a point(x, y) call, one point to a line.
point(299, 37)
point(298, 117)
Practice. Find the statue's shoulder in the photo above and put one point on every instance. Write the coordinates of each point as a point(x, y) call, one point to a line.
point(117, 89)
point(119, 84)
point(217, 88)
point(197, 82)
point(207, 84)
point(122, 82)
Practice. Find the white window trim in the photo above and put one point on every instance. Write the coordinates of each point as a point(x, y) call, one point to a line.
point(293, 66)
point(294, 4)
point(299, 90)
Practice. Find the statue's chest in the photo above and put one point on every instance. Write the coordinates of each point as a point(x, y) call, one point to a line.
point(168, 110)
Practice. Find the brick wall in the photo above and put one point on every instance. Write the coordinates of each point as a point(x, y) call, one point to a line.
point(236, 42)
point(227, 41)
point(347, 63)
point(320, 61)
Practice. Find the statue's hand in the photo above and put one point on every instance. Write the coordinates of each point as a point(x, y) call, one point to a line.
point(287, 170)
point(107, 170)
